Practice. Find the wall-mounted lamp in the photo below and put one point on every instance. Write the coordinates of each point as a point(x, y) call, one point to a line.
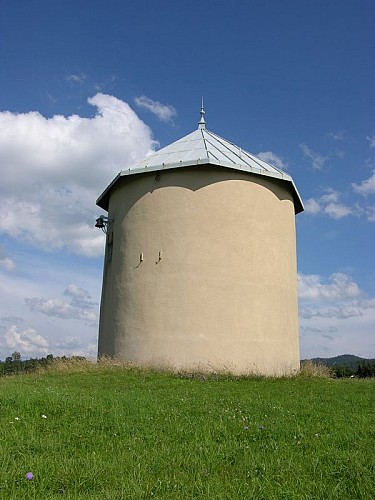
point(103, 222)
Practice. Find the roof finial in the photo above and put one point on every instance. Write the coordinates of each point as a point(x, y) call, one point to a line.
point(202, 123)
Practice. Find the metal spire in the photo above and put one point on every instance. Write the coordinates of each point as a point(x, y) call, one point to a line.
point(202, 123)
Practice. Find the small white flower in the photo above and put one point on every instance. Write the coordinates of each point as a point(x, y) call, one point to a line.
point(44, 416)
point(16, 418)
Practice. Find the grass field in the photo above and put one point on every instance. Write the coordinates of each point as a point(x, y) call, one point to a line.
point(107, 432)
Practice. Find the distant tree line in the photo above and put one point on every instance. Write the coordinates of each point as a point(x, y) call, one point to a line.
point(365, 369)
point(346, 365)
point(14, 364)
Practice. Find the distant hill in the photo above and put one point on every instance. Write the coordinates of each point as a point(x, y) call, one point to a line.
point(347, 360)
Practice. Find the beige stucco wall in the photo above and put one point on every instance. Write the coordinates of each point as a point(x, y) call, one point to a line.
point(223, 296)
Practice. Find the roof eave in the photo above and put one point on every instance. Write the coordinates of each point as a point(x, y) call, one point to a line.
point(103, 200)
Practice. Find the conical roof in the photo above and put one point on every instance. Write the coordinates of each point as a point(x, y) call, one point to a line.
point(203, 147)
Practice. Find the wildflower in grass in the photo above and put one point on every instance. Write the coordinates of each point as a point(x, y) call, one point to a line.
point(245, 427)
point(16, 418)
point(44, 416)
point(29, 476)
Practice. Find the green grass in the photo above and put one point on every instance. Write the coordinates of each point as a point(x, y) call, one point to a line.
point(117, 433)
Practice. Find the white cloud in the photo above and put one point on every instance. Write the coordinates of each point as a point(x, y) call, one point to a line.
point(30, 343)
point(339, 286)
point(339, 312)
point(332, 196)
point(329, 205)
point(337, 210)
point(165, 112)
point(367, 186)
point(273, 159)
point(336, 316)
point(55, 168)
point(78, 306)
point(79, 297)
point(43, 277)
point(317, 160)
point(27, 342)
point(371, 140)
point(312, 206)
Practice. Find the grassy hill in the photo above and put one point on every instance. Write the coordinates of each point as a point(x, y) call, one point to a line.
point(92, 431)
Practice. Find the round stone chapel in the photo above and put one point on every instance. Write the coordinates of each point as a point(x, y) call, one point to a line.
point(200, 265)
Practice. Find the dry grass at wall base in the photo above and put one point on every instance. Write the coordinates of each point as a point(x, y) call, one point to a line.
point(314, 370)
point(308, 369)
point(108, 430)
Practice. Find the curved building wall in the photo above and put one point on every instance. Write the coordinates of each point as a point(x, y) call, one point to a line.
point(200, 272)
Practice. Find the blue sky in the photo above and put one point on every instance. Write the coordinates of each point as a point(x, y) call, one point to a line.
point(87, 88)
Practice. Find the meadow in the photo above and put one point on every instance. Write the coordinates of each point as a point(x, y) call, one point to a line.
point(106, 431)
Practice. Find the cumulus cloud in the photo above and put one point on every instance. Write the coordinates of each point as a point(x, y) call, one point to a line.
point(27, 342)
point(317, 160)
point(328, 204)
point(337, 311)
point(339, 286)
point(337, 210)
point(312, 206)
point(30, 343)
point(165, 112)
point(78, 305)
point(59, 308)
point(367, 186)
point(55, 168)
point(273, 159)
point(331, 205)
point(79, 297)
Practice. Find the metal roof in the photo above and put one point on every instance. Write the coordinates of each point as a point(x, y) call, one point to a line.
point(203, 147)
